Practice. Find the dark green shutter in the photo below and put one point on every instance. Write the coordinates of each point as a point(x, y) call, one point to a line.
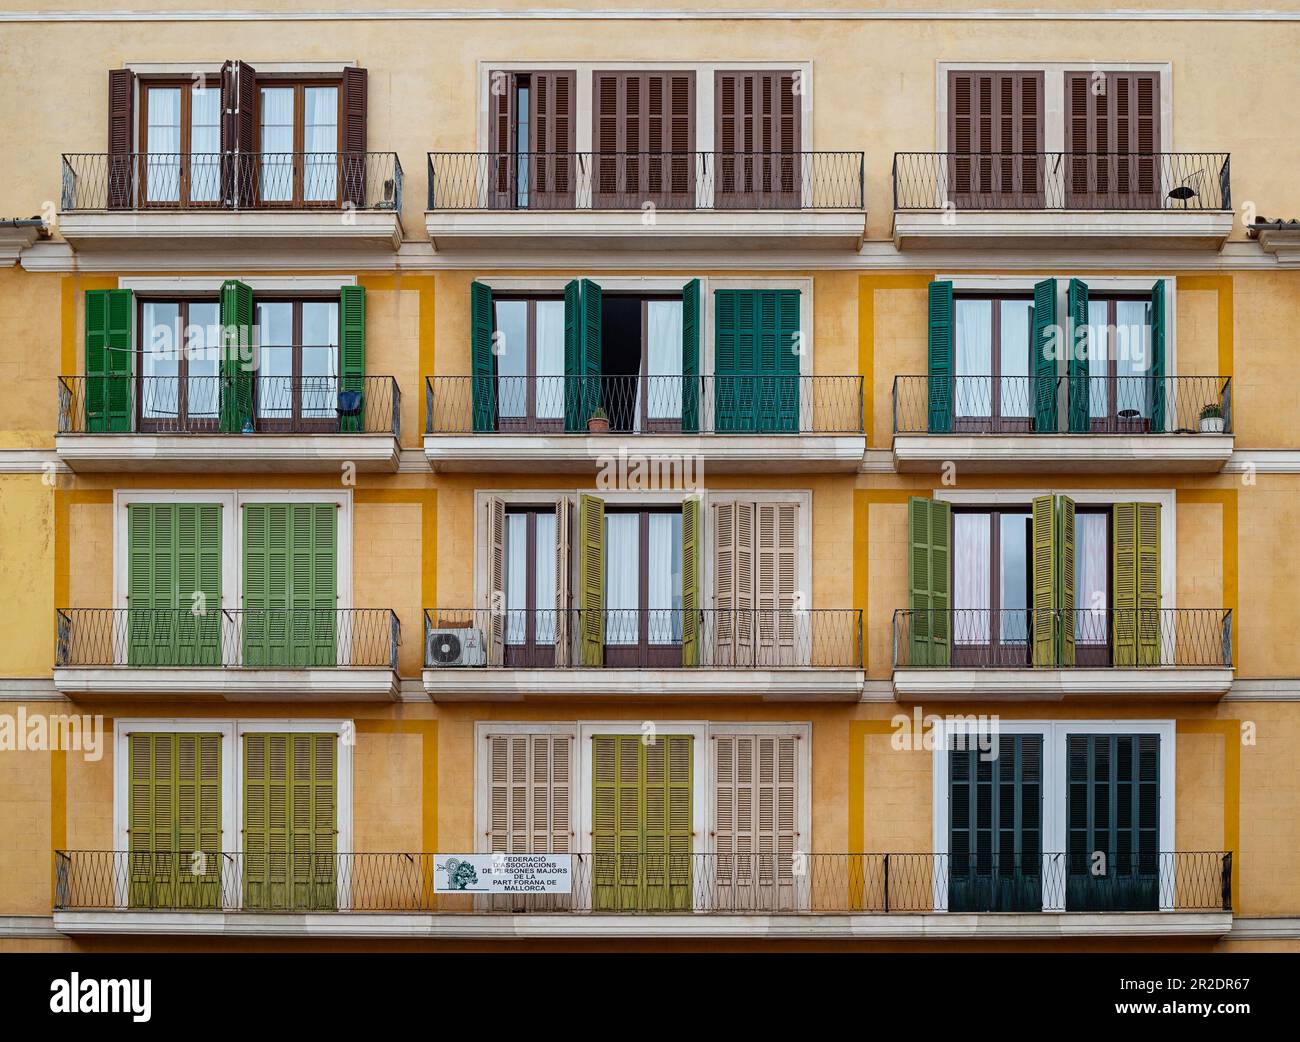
point(1113, 826)
point(582, 353)
point(1042, 355)
point(1044, 581)
point(1066, 598)
point(1077, 364)
point(995, 823)
point(483, 362)
point(108, 349)
point(237, 374)
point(174, 553)
point(1156, 396)
point(352, 352)
point(691, 356)
point(756, 340)
point(940, 381)
point(929, 523)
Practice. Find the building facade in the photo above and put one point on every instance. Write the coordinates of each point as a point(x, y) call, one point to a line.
point(825, 476)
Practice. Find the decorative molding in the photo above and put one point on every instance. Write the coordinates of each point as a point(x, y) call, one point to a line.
point(13, 241)
point(298, 284)
point(30, 927)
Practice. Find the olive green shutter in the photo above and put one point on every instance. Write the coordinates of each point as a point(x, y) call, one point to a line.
point(290, 616)
point(666, 828)
point(1135, 538)
point(352, 352)
point(1042, 355)
point(690, 357)
point(929, 524)
point(108, 348)
point(1077, 363)
point(1157, 394)
point(940, 379)
point(1066, 598)
point(237, 375)
point(174, 820)
point(483, 363)
point(1044, 585)
point(591, 579)
point(692, 544)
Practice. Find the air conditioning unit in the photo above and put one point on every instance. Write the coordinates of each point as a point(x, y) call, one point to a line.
point(459, 647)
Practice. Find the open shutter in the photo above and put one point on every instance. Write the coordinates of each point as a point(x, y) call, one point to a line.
point(591, 579)
point(108, 321)
point(352, 353)
point(352, 134)
point(239, 103)
point(121, 139)
point(755, 801)
point(1066, 600)
point(562, 642)
point(496, 549)
point(551, 131)
point(929, 523)
point(483, 363)
point(592, 305)
point(582, 353)
point(1044, 581)
point(236, 306)
point(692, 544)
point(1077, 361)
point(1157, 394)
point(775, 581)
point(941, 375)
point(1135, 531)
point(1042, 355)
point(691, 357)
point(502, 176)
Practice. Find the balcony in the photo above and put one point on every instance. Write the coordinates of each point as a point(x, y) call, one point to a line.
point(764, 655)
point(974, 654)
point(281, 655)
point(848, 896)
point(732, 423)
point(1099, 424)
point(281, 202)
point(209, 424)
point(1061, 200)
point(646, 200)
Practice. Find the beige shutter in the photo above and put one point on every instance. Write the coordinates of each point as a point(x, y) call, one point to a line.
point(529, 812)
point(733, 583)
point(775, 581)
point(496, 585)
point(755, 821)
point(562, 645)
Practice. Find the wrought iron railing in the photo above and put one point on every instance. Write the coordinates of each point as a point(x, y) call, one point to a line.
point(1073, 405)
point(639, 180)
point(97, 181)
point(165, 638)
point(669, 638)
point(1088, 638)
point(1062, 181)
point(645, 404)
point(639, 883)
point(247, 403)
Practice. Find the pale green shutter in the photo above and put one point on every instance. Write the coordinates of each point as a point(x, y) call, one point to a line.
point(109, 315)
point(290, 585)
point(1066, 598)
point(929, 523)
point(1044, 581)
point(692, 536)
point(941, 376)
point(352, 353)
point(1135, 536)
point(174, 554)
point(1042, 355)
point(690, 357)
point(265, 585)
point(266, 821)
point(483, 363)
point(236, 309)
point(1157, 395)
point(591, 579)
point(1077, 363)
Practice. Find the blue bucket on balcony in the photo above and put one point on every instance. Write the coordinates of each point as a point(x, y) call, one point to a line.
point(349, 403)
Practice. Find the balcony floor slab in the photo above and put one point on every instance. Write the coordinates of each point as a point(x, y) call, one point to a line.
point(355, 684)
point(1166, 229)
point(1059, 685)
point(1054, 453)
point(516, 685)
point(226, 453)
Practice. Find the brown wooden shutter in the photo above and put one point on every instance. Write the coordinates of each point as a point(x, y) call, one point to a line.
point(755, 821)
point(551, 130)
point(776, 575)
point(496, 537)
point(758, 140)
point(637, 116)
point(239, 133)
point(1112, 127)
point(998, 115)
point(121, 139)
point(500, 173)
point(352, 136)
point(733, 583)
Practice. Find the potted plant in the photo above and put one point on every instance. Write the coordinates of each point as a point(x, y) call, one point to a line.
point(1212, 419)
point(598, 422)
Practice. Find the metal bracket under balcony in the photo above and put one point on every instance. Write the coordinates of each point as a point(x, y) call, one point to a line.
point(1061, 200)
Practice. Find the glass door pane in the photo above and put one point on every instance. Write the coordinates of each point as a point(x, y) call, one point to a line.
point(320, 359)
point(1091, 578)
point(550, 359)
point(163, 145)
point(664, 360)
point(1133, 397)
point(664, 586)
point(205, 144)
point(516, 577)
point(1013, 588)
point(622, 578)
point(973, 359)
point(544, 578)
point(321, 144)
point(276, 182)
point(160, 360)
point(512, 358)
point(1013, 383)
point(971, 589)
point(203, 362)
point(275, 360)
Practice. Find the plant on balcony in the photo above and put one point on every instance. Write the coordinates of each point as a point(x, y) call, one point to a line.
point(598, 422)
point(1212, 419)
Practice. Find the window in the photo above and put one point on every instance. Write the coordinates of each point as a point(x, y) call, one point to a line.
point(531, 623)
point(532, 134)
point(992, 387)
point(991, 586)
point(641, 362)
point(530, 363)
point(1092, 554)
point(298, 364)
point(180, 359)
point(1121, 388)
point(180, 128)
point(298, 139)
point(643, 587)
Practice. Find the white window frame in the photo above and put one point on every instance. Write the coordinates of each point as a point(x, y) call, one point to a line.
point(304, 285)
point(232, 773)
point(1055, 792)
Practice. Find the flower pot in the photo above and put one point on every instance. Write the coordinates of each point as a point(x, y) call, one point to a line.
point(1211, 424)
point(597, 425)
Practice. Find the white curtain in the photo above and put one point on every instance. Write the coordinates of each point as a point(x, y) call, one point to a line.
point(163, 143)
point(664, 361)
point(1098, 357)
point(203, 345)
point(277, 144)
point(321, 143)
point(1013, 394)
point(664, 592)
point(205, 144)
point(1091, 588)
point(622, 577)
point(159, 361)
point(1133, 356)
point(973, 364)
point(550, 359)
point(971, 579)
point(516, 577)
point(512, 360)
point(544, 578)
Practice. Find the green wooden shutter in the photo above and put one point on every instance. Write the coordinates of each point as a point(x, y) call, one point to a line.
point(940, 381)
point(691, 356)
point(174, 553)
point(592, 306)
point(108, 349)
point(1066, 600)
point(591, 579)
point(483, 362)
point(1135, 584)
point(1157, 396)
point(236, 306)
point(265, 585)
point(692, 537)
point(666, 824)
point(778, 361)
point(1042, 355)
point(929, 523)
point(1077, 363)
point(1113, 802)
point(575, 365)
point(352, 352)
point(755, 359)
point(1044, 581)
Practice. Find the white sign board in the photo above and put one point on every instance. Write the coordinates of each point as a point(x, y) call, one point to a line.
point(503, 874)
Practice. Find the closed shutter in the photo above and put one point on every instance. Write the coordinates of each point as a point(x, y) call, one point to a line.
point(591, 580)
point(1157, 396)
point(290, 616)
point(756, 799)
point(692, 545)
point(1113, 823)
point(239, 99)
point(941, 375)
point(121, 139)
point(352, 135)
point(644, 136)
point(1112, 132)
point(582, 352)
point(109, 315)
point(1066, 598)
point(483, 363)
point(757, 136)
point(290, 822)
point(174, 820)
point(929, 524)
point(1076, 367)
point(995, 139)
point(733, 583)
point(1135, 533)
point(995, 845)
point(352, 354)
point(237, 375)
point(531, 785)
point(691, 357)
point(1045, 567)
point(776, 576)
point(1043, 330)
point(667, 833)
point(756, 336)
